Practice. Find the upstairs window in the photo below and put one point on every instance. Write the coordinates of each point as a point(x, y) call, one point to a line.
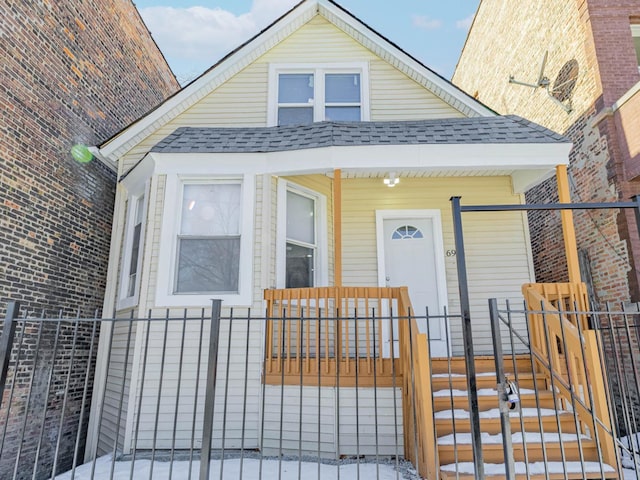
point(301, 96)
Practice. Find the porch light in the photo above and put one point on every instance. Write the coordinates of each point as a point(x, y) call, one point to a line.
point(391, 181)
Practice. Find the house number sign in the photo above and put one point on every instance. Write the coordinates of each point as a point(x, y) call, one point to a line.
point(450, 253)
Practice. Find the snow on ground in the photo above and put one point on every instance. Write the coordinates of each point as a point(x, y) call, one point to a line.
point(629, 474)
point(627, 458)
point(231, 470)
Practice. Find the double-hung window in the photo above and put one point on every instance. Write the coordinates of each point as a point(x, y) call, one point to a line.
point(208, 250)
point(206, 240)
point(301, 241)
point(302, 258)
point(302, 95)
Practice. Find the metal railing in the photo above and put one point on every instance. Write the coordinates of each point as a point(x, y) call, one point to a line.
point(573, 416)
point(184, 395)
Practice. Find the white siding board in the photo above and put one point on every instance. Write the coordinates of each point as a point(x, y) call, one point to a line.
point(115, 397)
point(234, 385)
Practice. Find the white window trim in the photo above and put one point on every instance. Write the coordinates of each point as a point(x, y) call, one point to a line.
point(138, 191)
point(321, 278)
point(319, 70)
point(167, 258)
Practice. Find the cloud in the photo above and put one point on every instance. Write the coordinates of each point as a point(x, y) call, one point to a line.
point(465, 23)
point(425, 23)
point(207, 34)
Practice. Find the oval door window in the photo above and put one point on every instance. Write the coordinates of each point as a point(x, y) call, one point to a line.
point(406, 231)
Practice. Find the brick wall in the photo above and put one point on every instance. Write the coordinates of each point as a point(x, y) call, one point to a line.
point(597, 165)
point(71, 72)
point(604, 159)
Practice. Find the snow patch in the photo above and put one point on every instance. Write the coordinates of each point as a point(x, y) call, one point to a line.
point(231, 470)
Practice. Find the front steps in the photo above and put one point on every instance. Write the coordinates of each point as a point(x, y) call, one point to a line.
point(539, 447)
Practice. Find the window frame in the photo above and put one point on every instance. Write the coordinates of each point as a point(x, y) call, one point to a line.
point(180, 236)
point(321, 267)
point(166, 294)
point(138, 197)
point(319, 71)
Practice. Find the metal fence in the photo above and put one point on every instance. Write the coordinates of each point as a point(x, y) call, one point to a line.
point(187, 394)
point(569, 408)
point(184, 395)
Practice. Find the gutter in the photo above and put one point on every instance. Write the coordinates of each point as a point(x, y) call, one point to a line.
point(95, 151)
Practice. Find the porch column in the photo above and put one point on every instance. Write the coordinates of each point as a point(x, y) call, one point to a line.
point(337, 227)
point(568, 229)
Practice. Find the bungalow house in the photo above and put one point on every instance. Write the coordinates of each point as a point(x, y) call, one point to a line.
point(315, 158)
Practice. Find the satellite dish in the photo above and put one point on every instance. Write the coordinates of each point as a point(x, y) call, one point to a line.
point(563, 86)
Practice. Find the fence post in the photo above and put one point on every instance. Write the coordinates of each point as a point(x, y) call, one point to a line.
point(505, 422)
point(6, 341)
point(467, 337)
point(210, 393)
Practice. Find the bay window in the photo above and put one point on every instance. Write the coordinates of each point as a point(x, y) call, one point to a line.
point(209, 239)
point(132, 254)
point(206, 241)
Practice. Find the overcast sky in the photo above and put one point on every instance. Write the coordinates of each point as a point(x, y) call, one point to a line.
point(194, 34)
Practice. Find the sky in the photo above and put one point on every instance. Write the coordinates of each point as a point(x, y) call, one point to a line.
point(194, 34)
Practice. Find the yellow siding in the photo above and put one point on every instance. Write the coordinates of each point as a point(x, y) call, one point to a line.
point(498, 257)
point(242, 100)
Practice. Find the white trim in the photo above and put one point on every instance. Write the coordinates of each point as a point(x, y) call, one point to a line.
point(321, 277)
point(319, 71)
point(276, 33)
point(438, 244)
point(434, 157)
point(168, 244)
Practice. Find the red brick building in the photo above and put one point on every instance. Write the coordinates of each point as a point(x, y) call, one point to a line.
point(588, 90)
point(70, 72)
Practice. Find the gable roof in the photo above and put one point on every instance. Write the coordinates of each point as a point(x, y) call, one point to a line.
point(478, 130)
point(268, 38)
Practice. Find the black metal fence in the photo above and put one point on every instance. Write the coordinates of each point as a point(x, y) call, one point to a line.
point(570, 409)
point(183, 395)
point(187, 395)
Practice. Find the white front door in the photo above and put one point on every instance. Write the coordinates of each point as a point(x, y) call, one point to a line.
point(412, 256)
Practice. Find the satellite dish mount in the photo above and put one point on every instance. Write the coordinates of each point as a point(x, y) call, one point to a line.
point(542, 82)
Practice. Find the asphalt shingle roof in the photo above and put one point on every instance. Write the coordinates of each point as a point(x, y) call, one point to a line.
point(508, 129)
